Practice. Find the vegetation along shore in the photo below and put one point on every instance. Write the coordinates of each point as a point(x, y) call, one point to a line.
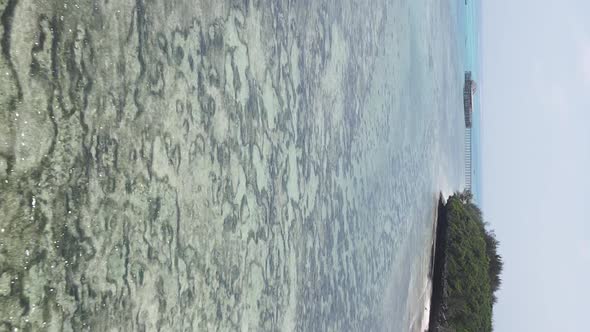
point(467, 268)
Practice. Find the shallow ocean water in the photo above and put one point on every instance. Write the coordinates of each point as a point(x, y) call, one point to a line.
point(224, 165)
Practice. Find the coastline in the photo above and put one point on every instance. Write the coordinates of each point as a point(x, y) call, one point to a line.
point(467, 268)
point(424, 317)
point(430, 286)
point(436, 315)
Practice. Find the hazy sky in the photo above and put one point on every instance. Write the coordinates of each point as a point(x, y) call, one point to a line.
point(535, 95)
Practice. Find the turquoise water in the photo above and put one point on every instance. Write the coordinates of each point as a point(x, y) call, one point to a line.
point(226, 165)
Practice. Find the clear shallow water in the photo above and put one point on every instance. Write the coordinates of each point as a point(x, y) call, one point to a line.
point(224, 166)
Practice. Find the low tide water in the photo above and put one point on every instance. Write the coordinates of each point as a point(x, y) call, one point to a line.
point(225, 165)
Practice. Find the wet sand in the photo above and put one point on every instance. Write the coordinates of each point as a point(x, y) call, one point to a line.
point(421, 309)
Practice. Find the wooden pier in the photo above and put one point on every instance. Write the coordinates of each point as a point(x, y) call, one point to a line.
point(468, 159)
point(468, 91)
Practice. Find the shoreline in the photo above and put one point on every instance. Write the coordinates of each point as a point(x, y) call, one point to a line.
point(430, 283)
point(438, 270)
point(428, 301)
point(426, 297)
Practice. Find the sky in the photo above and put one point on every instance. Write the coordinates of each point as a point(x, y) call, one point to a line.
point(535, 98)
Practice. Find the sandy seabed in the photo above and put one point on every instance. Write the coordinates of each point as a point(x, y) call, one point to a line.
point(210, 165)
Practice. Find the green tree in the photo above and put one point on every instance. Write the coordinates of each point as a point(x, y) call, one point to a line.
point(473, 266)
